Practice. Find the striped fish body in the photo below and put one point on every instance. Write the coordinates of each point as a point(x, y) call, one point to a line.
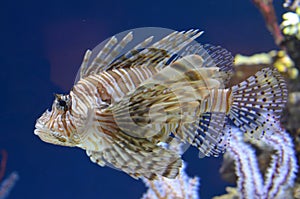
point(99, 91)
point(110, 86)
point(124, 108)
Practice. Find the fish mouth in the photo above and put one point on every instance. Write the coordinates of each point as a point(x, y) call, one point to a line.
point(39, 125)
point(49, 136)
point(40, 122)
point(37, 131)
point(39, 128)
point(42, 132)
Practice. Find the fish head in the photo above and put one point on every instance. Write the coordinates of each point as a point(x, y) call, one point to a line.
point(58, 126)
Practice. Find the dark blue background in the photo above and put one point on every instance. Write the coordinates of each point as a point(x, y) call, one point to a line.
point(42, 44)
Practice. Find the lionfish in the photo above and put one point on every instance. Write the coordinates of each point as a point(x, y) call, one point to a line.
point(126, 108)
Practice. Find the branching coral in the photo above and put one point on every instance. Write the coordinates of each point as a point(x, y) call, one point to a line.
point(292, 5)
point(287, 61)
point(281, 172)
point(9, 182)
point(183, 187)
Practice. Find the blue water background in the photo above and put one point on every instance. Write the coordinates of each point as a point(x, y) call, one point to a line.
point(42, 45)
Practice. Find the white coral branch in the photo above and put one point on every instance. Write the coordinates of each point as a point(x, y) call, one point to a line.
point(183, 187)
point(250, 183)
point(281, 172)
point(8, 184)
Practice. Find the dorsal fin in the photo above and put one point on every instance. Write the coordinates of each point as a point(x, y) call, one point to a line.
point(115, 55)
point(159, 53)
point(108, 54)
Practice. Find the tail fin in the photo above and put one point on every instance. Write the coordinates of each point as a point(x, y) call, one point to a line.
point(255, 99)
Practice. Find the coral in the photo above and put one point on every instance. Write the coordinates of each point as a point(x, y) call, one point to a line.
point(183, 187)
point(280, 174)
point(290, 24)
point(287, 61)
point(9, 182)
point(7, 185)
point(292, 5)
point(267, 9)
point(296, 191)
point(232, 193)
point(290, 27)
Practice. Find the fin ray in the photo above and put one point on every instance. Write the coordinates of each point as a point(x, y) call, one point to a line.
point(157, 54)
point(254, 99)
point(138, 157)
point(207, 134)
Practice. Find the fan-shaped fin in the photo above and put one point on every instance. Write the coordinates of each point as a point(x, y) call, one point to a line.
point(208, 134)
point(255, 99)
point(137, 157)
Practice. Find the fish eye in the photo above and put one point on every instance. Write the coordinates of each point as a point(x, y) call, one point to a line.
point(62, 102)
point(62, 105)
